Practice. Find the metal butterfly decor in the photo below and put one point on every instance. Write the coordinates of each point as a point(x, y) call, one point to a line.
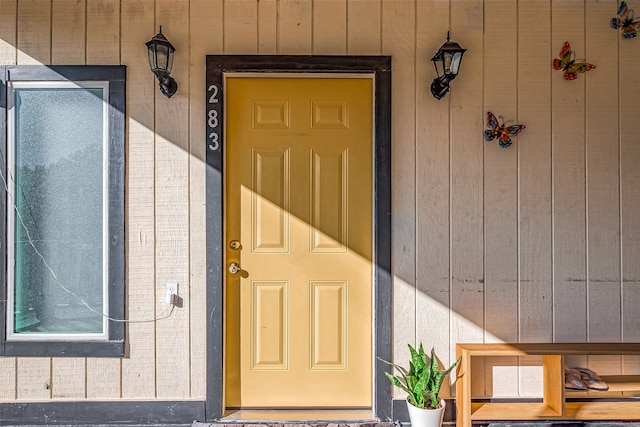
point(624, 21)
point(500, 131)
point(566, 62)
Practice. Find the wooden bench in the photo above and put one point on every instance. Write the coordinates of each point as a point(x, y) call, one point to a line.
point(554, 405)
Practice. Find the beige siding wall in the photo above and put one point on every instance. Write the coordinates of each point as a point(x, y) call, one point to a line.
point(537, 242)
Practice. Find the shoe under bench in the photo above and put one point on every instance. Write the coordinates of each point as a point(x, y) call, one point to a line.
point(555, 404)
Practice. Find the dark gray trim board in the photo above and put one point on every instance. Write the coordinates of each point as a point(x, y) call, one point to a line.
point(116, 75)
point(3, 207)
point(380, 67)
point(173, 413)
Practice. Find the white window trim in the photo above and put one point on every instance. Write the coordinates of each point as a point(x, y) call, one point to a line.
point(47, 84)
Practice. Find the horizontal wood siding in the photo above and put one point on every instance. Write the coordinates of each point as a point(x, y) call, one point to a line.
point(537, 242)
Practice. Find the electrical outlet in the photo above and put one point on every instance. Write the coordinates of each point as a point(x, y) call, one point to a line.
point(172, 289)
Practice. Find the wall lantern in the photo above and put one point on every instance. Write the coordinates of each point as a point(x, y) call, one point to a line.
point(448, 57)
point(161, 60)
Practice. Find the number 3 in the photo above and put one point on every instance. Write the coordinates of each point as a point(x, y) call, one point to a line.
point(214, 141)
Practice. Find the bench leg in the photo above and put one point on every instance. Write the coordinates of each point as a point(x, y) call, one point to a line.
point(553, 383)
point(463, 390)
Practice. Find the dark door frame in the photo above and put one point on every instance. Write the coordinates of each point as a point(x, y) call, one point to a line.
point(380, 67)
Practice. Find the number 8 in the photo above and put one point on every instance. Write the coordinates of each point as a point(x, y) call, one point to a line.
point(213, 118)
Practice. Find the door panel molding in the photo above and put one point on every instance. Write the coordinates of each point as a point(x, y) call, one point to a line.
point(380, 67)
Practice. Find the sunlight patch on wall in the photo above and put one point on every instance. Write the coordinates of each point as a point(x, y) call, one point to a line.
point(515, 381)
point(464, 330)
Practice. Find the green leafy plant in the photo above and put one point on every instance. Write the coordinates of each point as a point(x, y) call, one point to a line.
point(423, 379)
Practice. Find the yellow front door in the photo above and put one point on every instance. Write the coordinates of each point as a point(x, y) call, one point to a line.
point(298, 231)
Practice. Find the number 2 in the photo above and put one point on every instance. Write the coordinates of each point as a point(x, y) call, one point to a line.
point(213, 99)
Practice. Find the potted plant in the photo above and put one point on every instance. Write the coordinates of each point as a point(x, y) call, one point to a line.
point(422, 384)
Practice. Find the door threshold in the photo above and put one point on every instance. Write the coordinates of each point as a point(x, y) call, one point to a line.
point(350, 416)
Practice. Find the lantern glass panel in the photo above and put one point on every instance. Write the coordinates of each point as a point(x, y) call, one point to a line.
point(152, 57)
point(169, 61)
point(454, 63)
point(162, 53)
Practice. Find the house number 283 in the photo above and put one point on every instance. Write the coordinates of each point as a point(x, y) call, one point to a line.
point(213, 122)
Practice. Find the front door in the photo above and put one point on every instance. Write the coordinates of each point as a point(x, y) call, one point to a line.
point(298, 241)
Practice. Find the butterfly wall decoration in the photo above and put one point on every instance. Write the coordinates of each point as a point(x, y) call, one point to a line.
point(624, 21)
point(567, 63)
point(500, 131)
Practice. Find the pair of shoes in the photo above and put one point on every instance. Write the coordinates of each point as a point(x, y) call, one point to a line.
point(592, 380)
point(573, 379)
point(583, 378)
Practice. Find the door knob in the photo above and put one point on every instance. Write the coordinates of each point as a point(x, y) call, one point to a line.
point(234, 268)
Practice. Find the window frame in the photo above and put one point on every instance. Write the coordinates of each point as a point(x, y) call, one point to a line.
point(112, 343)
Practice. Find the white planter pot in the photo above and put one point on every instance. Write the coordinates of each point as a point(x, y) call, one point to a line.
point(421, 417)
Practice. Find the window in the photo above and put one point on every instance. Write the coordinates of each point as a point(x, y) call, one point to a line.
point(63, 188)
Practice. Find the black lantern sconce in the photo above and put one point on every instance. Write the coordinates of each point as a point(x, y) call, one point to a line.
point(161, 60)
point(449, 57)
